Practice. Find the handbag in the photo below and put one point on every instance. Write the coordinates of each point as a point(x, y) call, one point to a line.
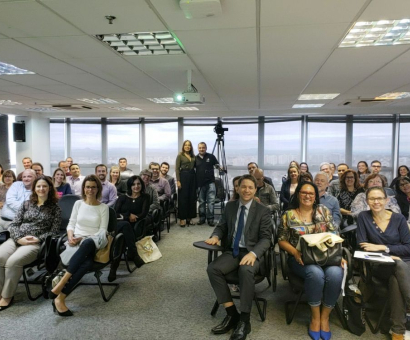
point(353, 312)
point(103, 255)
point(323, 249)
point(148, 250)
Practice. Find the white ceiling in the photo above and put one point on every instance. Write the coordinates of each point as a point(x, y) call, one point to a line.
point(254, 60)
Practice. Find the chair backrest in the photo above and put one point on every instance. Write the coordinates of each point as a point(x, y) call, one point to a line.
point(66, 204)
point(112, 220)
point(220, 191)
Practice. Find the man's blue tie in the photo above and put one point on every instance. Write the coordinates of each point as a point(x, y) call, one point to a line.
point(238, 235)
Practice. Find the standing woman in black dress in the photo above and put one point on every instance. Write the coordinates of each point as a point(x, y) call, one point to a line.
point(185, 171)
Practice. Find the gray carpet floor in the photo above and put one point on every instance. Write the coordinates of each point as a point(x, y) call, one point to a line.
point(167, 299)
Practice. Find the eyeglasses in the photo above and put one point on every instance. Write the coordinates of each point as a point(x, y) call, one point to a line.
point(90, 188)
point(376, 166)
point(350, 177)
point(306, 193)
point(374, 199)
point(403, 184)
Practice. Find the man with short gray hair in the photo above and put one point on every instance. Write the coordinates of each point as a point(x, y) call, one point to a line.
point(322, 181)
point(325, 167)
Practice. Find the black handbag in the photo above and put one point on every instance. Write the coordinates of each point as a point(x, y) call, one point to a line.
point(353, 312)
point(313, 255)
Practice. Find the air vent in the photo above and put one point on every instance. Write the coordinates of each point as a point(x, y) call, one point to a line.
point(68, 107)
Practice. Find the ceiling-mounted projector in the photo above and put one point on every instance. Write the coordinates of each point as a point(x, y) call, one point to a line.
point(189, 98)
point(200, 8)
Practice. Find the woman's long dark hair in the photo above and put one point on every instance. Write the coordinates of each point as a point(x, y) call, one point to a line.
point(52, 195)
point(367, 167)
point(397, 185)
point(294, 201)
point(191, 152)
point(403, 166)
point(130, 182)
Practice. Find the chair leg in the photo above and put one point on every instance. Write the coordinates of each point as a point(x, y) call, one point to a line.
point(262, 312)
point(375, 329)
point(129, 268)
point(27, 283)
point(290, 315)
point(97, 275)
point(215, 308)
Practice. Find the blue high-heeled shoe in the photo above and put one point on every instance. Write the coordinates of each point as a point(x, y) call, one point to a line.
point(325, 335)
point(313, 335)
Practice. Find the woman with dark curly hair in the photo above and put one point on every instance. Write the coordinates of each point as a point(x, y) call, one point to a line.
point(349, 188)
point(322, 284)
point(131, 208)
point(363, 171)
point(402, 171)
point(37, 218)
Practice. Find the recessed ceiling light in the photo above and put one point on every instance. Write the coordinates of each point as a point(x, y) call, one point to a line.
point(394, 95)
point(98, 100)
point(128, 108)
point(306, 106)
point(8, 103)
point(378, 33)
point(318, 96)
point(167, 100)
point(153, 43)
point(8, 69)
point(184, 108)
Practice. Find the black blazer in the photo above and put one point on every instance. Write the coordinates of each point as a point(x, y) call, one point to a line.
point(285, 194)
point(258, 227)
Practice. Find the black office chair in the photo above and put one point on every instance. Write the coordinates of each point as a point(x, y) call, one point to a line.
point(174, 207)
point(165, 214)
point(379, 298)
point(116, 251)
point(66, 204)
point(155, 225)
point(220, 196)
point(298, 286)
point(39, 262)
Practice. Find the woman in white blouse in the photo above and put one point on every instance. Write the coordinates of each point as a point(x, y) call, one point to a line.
point(87, 228)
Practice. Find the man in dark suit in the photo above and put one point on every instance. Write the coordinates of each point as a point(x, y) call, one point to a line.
point(246, 233)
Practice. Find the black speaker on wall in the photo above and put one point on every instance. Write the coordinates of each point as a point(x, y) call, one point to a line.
point(19, 132)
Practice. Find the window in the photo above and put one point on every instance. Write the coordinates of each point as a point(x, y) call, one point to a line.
point(326, 143)
point(123, 141)
point(241, 145)
point(86, 146)
point(57, 143)
point(404, 142)
point(371, 142)
point(161, 143)
point(197, 134)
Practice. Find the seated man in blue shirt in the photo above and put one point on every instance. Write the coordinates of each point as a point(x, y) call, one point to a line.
point(16, 195)
point(322, 181)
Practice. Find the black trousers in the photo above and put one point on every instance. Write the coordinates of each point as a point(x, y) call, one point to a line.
point(225, 264)
point(187, 195)
point(81, 262)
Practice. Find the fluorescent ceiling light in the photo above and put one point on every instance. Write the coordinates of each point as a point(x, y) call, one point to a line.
point(167, 100)
point(378, 33)
point(8, 102)
point(8, 69)
point(394, 95)
point(98, 100)
point(153, 43)
point(184, 108)
point(318, 96)
point(306, 106)
point(43, 109)
point(128, 108)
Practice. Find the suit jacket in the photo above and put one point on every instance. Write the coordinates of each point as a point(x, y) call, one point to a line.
point(258, 227)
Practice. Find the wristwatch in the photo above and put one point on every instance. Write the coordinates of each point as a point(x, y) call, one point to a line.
point(387, 250)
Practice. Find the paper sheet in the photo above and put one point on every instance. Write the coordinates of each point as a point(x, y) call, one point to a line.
point(371, 256)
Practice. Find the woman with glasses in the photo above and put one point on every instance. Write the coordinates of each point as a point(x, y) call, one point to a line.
point(381, 230)
point(349, 188)
point(403, 195)
point(402, 171)
point(360, 203)
point(87, 231)
point(8, 179)
point(322, 284)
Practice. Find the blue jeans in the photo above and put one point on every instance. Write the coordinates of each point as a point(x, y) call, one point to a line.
point(207, 195)
point(321, 283)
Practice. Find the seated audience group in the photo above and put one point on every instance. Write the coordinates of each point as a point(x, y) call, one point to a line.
point(309, 205)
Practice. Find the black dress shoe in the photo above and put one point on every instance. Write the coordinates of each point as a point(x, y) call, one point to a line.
point(226, 325)
point(138, 261)
point(66, 313)
point(241, 331)
point(200, 223)
point(211, 223)
point(2, 308)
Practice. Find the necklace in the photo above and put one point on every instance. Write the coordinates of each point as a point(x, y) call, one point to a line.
point(303, 218)
point(133, 198)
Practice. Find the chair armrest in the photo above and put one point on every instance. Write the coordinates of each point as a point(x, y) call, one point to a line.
point(60, 243)
point(284, 264)
point(348, 257)
point(117, 247)
point(4, 236)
